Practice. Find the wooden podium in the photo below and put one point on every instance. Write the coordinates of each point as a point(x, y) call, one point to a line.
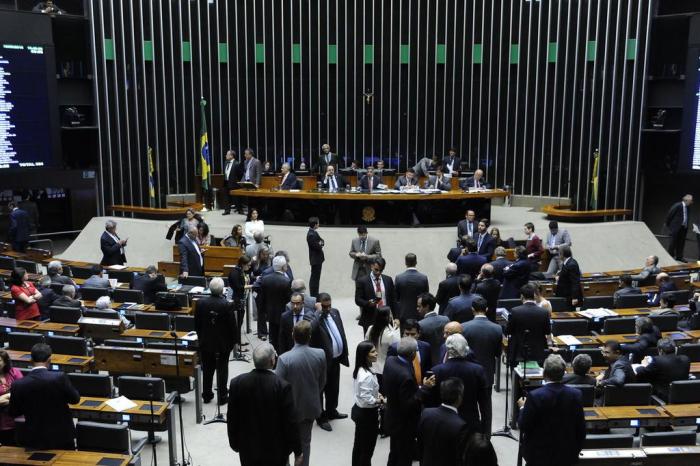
point(215, 257)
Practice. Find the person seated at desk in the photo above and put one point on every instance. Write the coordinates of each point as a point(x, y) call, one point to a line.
point(289, 179)
point(663, 369)
point(665, 284)
point(651, 267)
point(235, 239)
point(426, 165)
point(581, 365)
point(438, 181)
point(150, 283)
point(408, 180)
point(104, 303)
point(625, 288)
point(648, 335)
point(370, 182)
point(25, 295)
point(8, 376)
point(619, 371)
point(55, 271)
point(475, 182)
point(67, 298)
point(666, 303)
point(332, 182)
point(42, 397)
point(48, 296)
point(203, 236)
point(96, 280)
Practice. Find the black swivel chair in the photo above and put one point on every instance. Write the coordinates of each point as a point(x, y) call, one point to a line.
point(121, 295)
point(680, 296)
point(152, 320)
point(669, 439)
point(559, 304)
point(82, 272)
point(101, 314)
point(619, 325)
point(106, 438)
point(569, 327)
point(122, 276)
point(64, 315)
point(7, 263)
point(95, 385)
point(193, 280)
point(93, 294)
point(665, 323)
point(57, 288)
point(508, 304)
point(23, 341)
point(606, 441)
point(684, 392)
point(692, 350)
point(630, 394)
point(29, 266)
point(184, 323)
point(587, 394)
point(596, 356)
point(631, 300)
point(76, 346)
point(597, 302)
point(144, 388)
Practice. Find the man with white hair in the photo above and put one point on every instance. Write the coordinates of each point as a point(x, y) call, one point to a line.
point(112, 246)
point(289, 179)
point(67, 298)
point(474, 182)
point(476, 404)
point(55, 271)
point(191, 258)
point(273, 297)
point(104, 303)
point(215, 324)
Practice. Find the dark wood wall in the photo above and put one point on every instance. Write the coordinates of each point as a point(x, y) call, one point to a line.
point(526, 90)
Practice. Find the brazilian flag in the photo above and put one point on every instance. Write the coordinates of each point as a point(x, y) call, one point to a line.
point(205, 156)
point(151, 183)
point(594, 179)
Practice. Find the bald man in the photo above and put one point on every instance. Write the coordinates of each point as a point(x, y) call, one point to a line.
point(289, 179)
point(448, 288)
point(451, 328)
point(475, 182)
point(325, 159)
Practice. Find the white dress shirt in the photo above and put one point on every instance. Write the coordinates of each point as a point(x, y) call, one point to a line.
point(389, 336)
point(366, 389)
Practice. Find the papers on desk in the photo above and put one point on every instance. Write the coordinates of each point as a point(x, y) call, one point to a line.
point(196, 289)
point(191, 336)
point(598, 313)
point(121, 404)
point(569, 340)
point(113, 282)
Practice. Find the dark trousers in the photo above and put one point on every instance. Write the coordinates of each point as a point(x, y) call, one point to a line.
point(402, 445)
point(247, 461)
point(330, 391)
point(675, 248)
point(21, 246)
point(262, 323)
point(366, 428)
point(275, 335)
point(209, 365)
point(315, 279)
point(7, 437)
point(228, 199)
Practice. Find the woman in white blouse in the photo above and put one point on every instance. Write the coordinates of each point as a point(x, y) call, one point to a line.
point(367, 401)
point(383, 333)
point(252, 226)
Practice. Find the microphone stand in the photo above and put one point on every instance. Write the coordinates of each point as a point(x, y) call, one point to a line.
point(173, 334)
point(152, 439)
point(523, 385)
point(505, 431)
point(218, 417)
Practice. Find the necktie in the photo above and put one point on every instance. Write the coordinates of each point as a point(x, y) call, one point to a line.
point(476, 183)
point(685, 215)
point(371, 184)
point(228, 169)
point(378, 289)
point(362, 245)
point(416, 370)
point(481, 238)
point(296, 318)
point(334, 185)
point(470, 228)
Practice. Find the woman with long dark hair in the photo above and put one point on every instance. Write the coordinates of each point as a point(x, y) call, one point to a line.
point(235, 239)
point(367, 401)
point(8, 375)
point(25, 295)
point(253, 225)
point(383, 333)
point(239, 282)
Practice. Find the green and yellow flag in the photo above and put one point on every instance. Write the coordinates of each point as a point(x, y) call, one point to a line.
point(151, 183)
point(205, 157)
point(594, 179)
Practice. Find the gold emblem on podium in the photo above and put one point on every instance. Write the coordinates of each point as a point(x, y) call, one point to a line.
point(368, 214)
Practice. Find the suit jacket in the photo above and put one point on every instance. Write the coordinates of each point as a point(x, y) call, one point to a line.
point(286, 340)
point(19, 225)
point(326, 183)
point(313, 239)
point(274, 295)
point(476, 400)
point(96, 281)
point(575, 379)
point(305, 369)
point(254, 170)
point(433, 183)
point(485, 340)
point(262, 420)
point(56, 278)
point(456, 164)
point(365, 182)
point(498, 266)
point(65, 301)
point(447, 289)
point(454, 254)
point(42, 397)
point(431, 331)
point(562, 238)
point(463, 228)
point(534, 246)
point(32, 211)
point(528, 316)
point(470, 183)
point(323, 163)
point(490, 290)
point(674, 218)
point(441, 436)
point(234, 175)
point(514, 277)
point(662, 370)
point(618, 373)
point(48, 296)
point(404, 397)
point(111, 251)
point(409, 284)
point(459, 308)
point(552, 425)
point(321, 338)
point(215, 324)
point(360, 265)
point(470, 264)
point(569, 282)
point(365, 290)
point(149, 286)
point(403, 181)
point(190, 261)
point(424, 355)
point(289, 183)
point(488, 245)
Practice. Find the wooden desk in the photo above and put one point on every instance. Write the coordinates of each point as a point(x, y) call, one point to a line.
point(153, 334)
point(97, 409)
point(47, 327)
point(684, 414)
point(20, 456)
point(694, 334)
point(215, 257)
point(633, 416)
point(62, 362)
point(10, 324)
point(586, 340)
point(678, 337)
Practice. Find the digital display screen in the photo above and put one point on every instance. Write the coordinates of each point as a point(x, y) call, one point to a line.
point(25, 109)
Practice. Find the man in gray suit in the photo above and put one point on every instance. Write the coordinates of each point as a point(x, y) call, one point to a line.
point(364, 250)
point(431, 324)
point(438, 181)
point(299, 286)
point(556, 238)
point(97, 280)
point(651, 267)
point(408, 285)
point(252, 168)
point(305, 370)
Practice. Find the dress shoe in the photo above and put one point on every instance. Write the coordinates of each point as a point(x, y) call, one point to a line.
point(207, 399)
point(324, 425)
point(226, 213)
point(337, 415)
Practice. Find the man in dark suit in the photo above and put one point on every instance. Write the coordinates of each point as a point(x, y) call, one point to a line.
point(451, 164)
point(262, 422)
point(580, 366)
point(459, 308)
point(626, 287)
point(485, 243)
point(373, 291)
point(528, 326)
point(551, 420)
point(475, 182)
point(191, 259)
point(457, 251)
point(112, 246)
point(438, 181)
point(569, 279)
point(448, 288)
point(516, 275)
point(19, 227)
point(55, 271)
point(431, 324)
point(441, 431)
point(411, 329)
point(332, 182)
point(289, 179)
point(215, 324)
point(489, 288)
point(485, 338)
point(290, 318)
point(404, 392)
point(467, 227)
point(329, 335)
point(500, 263)
point(471, 262)
point(677, 222)
point(409, 284)
point(370, 181)
point(150, 283)
point(67, 298)
point(232, 173)
point(619, 370)
point(316, 257)
point(663, 369)
point(48, 295)
point(326, 159)
point(408, 180)
point(42, 397)
point(274, 295)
